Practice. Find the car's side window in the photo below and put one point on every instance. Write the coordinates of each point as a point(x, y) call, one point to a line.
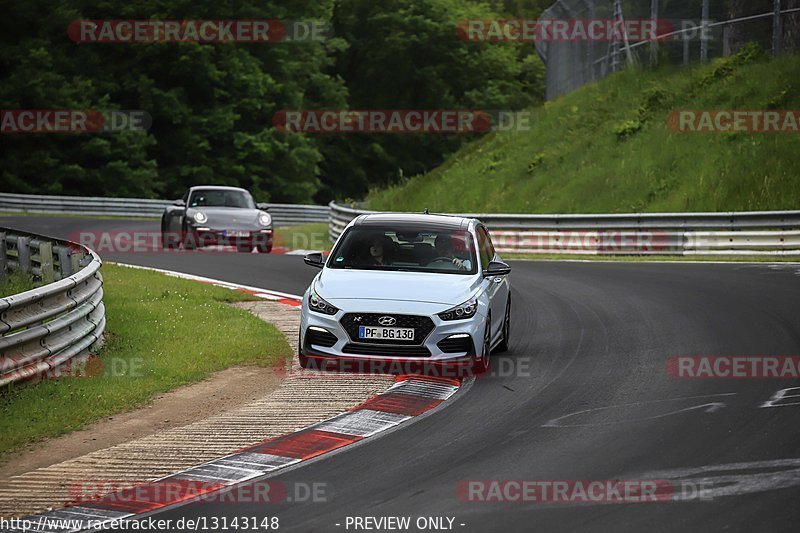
point(484, 248)
point(489, 244)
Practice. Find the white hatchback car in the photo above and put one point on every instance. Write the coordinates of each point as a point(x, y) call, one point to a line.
point(413, 291)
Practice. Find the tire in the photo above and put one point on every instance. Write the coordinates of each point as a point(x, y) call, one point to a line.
point(168, 241)
point(503, 346)
point(482, 365)
point(264, 248)
point(188, 241)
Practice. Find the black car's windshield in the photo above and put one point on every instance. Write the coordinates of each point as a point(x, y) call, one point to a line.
point(409, 249)
point(220, 198)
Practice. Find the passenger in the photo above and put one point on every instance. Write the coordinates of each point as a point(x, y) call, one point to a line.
point(444, 248)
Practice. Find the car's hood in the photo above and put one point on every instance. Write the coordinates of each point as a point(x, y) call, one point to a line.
point(229, 217)
point(448, 289)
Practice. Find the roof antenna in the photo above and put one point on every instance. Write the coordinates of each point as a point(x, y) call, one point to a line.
point(426, 211)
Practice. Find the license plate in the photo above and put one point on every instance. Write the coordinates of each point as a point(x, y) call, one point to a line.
point(398, 334)
point(236, 233)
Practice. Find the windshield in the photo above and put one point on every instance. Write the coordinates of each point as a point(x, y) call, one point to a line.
point(413, 250)
point(221, 198)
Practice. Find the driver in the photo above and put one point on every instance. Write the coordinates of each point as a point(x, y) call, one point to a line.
point(444, 248)
point(378, 250)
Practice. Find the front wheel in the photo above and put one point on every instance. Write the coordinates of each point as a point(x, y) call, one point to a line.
point(480, 366)
point(264, 248)
point(503, 346)
point(189, 242)
point(169, 241)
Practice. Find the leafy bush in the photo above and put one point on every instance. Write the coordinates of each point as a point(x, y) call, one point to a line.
point(627, 128)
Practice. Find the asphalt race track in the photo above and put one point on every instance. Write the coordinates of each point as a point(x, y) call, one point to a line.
point(584, 394)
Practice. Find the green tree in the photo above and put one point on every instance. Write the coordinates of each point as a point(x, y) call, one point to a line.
point(406, 54)
point(212, 105)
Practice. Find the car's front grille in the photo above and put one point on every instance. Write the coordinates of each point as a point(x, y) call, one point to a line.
point(456, 344)
point(387, 351)
point(320, 338)
point(422, 326)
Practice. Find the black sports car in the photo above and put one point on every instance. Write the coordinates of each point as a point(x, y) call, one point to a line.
point(215, 215)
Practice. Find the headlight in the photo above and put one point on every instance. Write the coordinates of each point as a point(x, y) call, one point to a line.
point(465, 310)
point(264, 219)
point(316, 303)
point(200, 217)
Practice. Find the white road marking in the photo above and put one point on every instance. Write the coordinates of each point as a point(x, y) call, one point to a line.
point(780, 395)
point(707, 407)
point(732, 479)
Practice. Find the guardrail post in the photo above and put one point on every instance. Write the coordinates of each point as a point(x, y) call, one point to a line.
point(75, 261)
point(24, 254)
point(64, 262)
point(46, 262)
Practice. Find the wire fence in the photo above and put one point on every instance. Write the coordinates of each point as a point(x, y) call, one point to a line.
point(649, 32)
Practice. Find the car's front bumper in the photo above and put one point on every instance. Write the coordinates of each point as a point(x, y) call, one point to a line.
point(205, 236)
point(425, 356)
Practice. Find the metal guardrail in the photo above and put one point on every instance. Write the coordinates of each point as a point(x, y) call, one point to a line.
point(725, 233)
point(44, 329)
point(282, 214)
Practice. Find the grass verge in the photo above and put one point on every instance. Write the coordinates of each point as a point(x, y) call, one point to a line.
point(607, 148)
point(15, 283)
point(303, 237)
point(162, 333)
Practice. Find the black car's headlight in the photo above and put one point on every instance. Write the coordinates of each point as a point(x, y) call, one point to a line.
point(316, 303)
point(264, 219)
point(465, 310)
point(200, 217)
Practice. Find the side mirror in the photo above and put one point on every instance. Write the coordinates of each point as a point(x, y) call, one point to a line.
point(315, 260)
point(496, 268)
point(179, 203)
point(262, 206)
